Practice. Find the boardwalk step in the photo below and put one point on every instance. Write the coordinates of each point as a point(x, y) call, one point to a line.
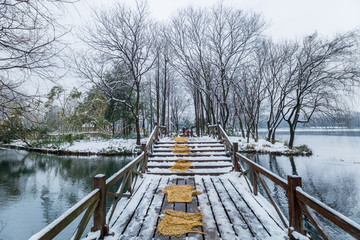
point(191, 155)
point(190, 145)
point(203, 171)
point(188, 158)
point(188, 173)
point(168, 150)
point(193, 165)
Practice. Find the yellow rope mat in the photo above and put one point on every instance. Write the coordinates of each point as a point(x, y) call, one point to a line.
point(181, 139)
point(181, 148)
point(180, 193)
point(181, 166)
point(176, 223)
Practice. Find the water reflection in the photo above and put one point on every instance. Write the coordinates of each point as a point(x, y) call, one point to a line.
point(35, 189)
point(331, 175)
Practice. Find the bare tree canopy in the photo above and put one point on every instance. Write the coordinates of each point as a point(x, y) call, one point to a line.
point(120, 36)
point(29, 48)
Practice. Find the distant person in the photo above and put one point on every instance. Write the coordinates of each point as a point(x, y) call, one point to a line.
point(184, 129)
point(191, 133)
point(187, 133)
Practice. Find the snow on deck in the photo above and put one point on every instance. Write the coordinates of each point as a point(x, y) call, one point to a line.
point(231, 211)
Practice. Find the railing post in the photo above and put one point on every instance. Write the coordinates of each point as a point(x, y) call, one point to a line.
point(295, 213)
point(255, 186)
point(207, 129)
point(218, 130)
point(157, 131)
point(100, 210)
point(143, 149)
point(235, 160)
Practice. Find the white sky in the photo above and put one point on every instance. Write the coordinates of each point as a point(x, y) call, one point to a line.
point(288, 19)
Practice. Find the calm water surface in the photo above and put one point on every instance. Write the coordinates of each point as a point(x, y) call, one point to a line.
point(35, 189)
point(332, 174)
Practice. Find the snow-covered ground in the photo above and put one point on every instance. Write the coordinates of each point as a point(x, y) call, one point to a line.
point(100, 145)
point(263, 146)
point(93, 145)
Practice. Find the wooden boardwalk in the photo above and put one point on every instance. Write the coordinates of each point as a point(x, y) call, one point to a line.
point(230, 203)
point(231, 210)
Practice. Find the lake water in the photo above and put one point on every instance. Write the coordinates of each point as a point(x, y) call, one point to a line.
point(332, 174)
point(35, 189)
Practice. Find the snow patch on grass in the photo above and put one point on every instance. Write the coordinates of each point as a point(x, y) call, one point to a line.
point(263, 146)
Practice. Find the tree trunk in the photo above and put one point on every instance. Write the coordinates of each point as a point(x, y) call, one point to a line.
point(292, 136)
point(157, 86)
point(273, 136)
point(151, 110)
point(137, 120)
point(164, 97)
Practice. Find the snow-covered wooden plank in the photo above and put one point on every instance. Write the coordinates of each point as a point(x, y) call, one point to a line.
point(179, 207)
point(165, 205)
point(124, 211)
point(149, 225)
point(225, 226)
point(258, 204)
point(244, 221)
point(194, 171)
point(192, 145)
point(190, 158)
point(189, 142)
point(193, 207)
point(168, 164)
point(205, 154)
point(192, 150)
point(135, 222)
point(210, 225)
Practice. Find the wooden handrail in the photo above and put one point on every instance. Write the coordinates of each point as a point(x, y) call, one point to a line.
point(227, 139)
point(94, 203)
point(66, 218)
point(332, 215)
point(152, 136)
point(305, 200)
point(117, 176)
point(273, 177)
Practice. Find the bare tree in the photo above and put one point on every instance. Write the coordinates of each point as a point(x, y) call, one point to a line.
point(277, 74)
point(233, 35)
point(322, 69)
point(29, 49)
point(123, 36)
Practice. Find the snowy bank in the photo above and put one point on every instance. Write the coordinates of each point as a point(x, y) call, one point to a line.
point(92, 146)
point(263, 146)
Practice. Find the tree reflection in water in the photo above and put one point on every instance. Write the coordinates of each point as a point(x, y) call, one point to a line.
point(37, 188)
point(334, 184)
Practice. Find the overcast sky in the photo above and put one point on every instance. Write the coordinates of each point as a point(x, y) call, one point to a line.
point(288, 19)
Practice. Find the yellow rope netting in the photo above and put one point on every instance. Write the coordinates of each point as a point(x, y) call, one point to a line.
point(181, 148)
point(176, 223)
point(181, 139)
point(180, 193)
point(181, 166)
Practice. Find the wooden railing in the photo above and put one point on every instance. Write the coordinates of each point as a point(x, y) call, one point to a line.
point(94, 204)
point(299, 202)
